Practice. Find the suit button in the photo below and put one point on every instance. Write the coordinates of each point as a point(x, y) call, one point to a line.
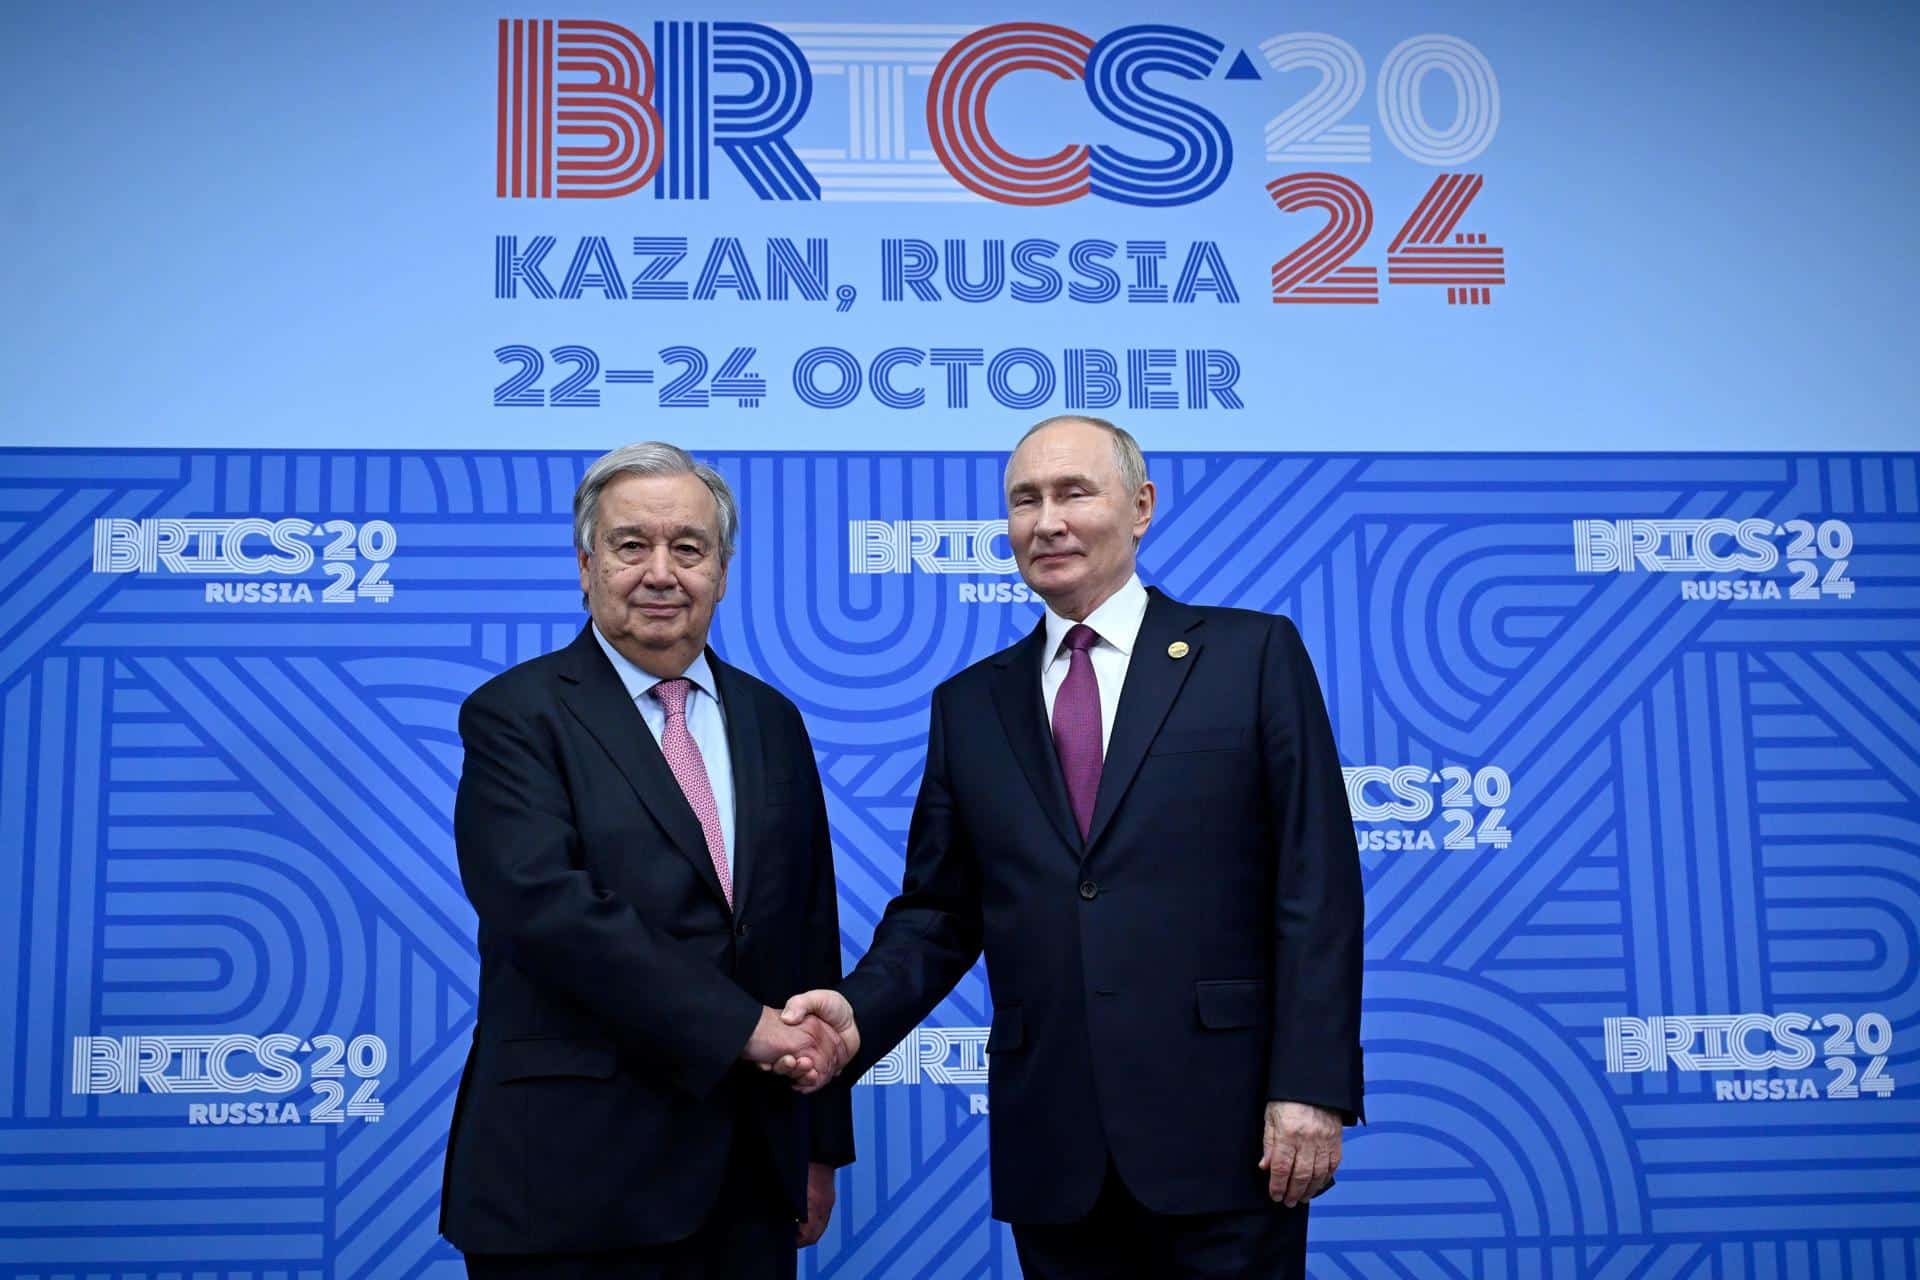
point(1089, 890)
point(740, 928)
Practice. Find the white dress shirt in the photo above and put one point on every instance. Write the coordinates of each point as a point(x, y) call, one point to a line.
point(706, 723)
point(1117, 623)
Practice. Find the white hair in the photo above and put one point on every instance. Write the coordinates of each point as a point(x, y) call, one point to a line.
point(652, 458)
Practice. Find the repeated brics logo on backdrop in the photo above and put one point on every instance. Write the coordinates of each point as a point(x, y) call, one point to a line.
point(1394, 808)
point(243, 1067)
point(1854, 1050)
point(937, 1055)
point(263, 561)
point(1728, 558)
point(947, 547)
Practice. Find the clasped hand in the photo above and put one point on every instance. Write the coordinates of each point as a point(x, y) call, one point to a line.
point(808, 1042)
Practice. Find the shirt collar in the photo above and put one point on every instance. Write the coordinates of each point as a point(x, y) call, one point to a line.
point(1117, 620)
point(640, 683)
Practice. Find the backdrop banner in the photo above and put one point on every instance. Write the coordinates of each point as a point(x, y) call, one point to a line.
point(1630, 748)
point(1542, 365)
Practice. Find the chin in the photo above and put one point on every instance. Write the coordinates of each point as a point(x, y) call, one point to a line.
point(1060, 577)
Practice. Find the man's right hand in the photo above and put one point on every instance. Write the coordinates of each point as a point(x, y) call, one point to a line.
point(831, 1009)
point(808, 1050)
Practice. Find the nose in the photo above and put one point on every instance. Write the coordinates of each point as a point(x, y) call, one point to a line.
point(656, 571)
point(1052, 522)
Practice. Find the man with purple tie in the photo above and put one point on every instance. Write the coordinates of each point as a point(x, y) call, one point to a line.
point(1138, 813)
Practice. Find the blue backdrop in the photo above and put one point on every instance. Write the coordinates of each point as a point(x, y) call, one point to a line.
point(1542, 366)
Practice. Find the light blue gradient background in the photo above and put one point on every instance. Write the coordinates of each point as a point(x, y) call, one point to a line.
point(243, 226)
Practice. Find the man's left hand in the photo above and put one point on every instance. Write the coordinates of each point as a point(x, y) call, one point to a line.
point(819, 1203)
point(1301, 1145)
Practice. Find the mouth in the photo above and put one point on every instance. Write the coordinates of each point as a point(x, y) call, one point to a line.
point(657, 609)
point(1053, 557)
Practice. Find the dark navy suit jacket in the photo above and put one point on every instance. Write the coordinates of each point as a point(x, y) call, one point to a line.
point(617, 990)
point(1157, 983)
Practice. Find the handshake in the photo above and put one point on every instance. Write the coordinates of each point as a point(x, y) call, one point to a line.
point(809, 1041)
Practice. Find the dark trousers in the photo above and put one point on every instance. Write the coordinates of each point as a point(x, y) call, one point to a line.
point(1121, 1239)
point(750, 1235)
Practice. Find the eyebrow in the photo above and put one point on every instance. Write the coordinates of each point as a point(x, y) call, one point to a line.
point(684, 531)
point(1034, 486)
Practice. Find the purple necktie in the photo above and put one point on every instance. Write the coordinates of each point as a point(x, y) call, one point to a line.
point(690, 771)
point(1076, 727)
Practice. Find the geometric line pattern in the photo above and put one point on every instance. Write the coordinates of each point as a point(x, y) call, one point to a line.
point(234, 819)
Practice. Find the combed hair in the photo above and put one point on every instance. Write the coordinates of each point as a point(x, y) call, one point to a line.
point(1126, 450)
point(651, 458)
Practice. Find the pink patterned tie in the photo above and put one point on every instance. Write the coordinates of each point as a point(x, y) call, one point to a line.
point(1076, 726)
point(690, 771)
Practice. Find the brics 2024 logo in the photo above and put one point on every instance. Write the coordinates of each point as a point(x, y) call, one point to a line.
point(262, 557)
point(1730, 557)
point(239, 1065)
point(1855, 1050)
point(588, 109)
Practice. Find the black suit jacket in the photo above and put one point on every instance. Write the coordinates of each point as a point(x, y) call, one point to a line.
point(616, 988)
point(1156, 984)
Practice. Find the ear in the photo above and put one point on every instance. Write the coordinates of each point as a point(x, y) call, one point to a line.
point(585, 575)
point(720, 585)
point(1143, 510)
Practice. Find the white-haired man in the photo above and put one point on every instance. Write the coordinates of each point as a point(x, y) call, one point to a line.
point(642, 833)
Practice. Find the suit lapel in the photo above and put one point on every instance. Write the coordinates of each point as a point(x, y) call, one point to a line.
point(1153, 681)
point(1016, 695)
point(745, 749)
point(592, 693)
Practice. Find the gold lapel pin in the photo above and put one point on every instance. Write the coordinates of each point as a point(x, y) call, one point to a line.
point(1178, 649)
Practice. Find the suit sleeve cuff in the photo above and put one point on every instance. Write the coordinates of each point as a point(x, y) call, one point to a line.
point(1349, 1115)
